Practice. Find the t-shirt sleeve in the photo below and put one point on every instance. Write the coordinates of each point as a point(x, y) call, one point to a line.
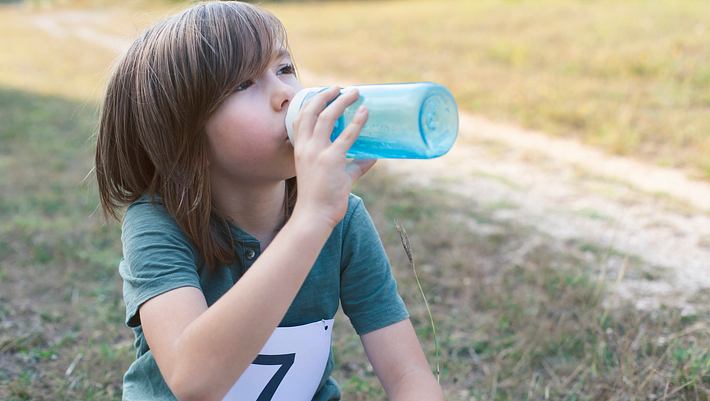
point(368, 290)
point(157, 257)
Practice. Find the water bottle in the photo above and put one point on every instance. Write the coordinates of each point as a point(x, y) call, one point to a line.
point(405, 121)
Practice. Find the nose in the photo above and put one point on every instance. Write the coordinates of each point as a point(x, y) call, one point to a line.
point(282, 95)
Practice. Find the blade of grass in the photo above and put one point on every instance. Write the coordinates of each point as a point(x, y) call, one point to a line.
point(408, 250)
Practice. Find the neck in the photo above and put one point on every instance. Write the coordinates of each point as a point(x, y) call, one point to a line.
point(256, 210)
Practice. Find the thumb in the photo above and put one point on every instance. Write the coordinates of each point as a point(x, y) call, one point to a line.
point(358, 167)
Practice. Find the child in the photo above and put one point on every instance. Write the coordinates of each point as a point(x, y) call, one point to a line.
point(230, 279)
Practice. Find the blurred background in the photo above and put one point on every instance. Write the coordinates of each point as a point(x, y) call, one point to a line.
point(563, 244)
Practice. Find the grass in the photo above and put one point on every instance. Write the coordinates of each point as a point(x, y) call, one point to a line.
point(59, 290)
point(629, 77)
point(543, 326)
point(546, 327)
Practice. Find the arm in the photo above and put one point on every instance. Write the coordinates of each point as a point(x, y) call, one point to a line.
point(201, 352)
point(399, 363)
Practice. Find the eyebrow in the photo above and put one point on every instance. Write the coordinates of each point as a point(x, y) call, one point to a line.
point(281, 53)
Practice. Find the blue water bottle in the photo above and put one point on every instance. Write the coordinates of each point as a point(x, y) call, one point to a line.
point(405, 121)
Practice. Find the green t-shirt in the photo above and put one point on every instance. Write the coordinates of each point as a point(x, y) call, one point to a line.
point(352, 269)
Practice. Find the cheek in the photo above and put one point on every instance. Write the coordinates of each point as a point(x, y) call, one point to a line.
point(239, 141)
point(252, 129)
point(232, 145)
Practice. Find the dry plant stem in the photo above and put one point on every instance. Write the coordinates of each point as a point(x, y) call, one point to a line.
point(408, 250)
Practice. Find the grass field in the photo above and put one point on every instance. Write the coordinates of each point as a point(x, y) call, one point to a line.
point(631, 77)
point(543, 325)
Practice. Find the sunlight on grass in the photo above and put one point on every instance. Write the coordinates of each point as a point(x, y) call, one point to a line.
point(547, 327)
point(630, 77)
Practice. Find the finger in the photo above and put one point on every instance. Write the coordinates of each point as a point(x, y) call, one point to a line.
point(358, 167)
point(330, 115)
point(346, 138)
point(311, 110)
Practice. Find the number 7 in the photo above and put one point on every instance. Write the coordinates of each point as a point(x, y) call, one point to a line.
point(285, 360)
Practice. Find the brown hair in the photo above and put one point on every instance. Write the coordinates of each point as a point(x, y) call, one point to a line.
point(151, 138)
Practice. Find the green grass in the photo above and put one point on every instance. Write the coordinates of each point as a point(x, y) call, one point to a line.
point(59, 283)
point(541, 327)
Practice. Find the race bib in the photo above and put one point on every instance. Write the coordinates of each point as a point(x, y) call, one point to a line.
point(289, 367)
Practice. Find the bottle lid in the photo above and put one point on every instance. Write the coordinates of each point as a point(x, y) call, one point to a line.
point(295, 106)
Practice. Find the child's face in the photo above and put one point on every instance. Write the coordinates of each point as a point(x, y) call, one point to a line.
point(247, 135)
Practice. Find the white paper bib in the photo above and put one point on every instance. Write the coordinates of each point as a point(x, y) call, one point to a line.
point(289, 367)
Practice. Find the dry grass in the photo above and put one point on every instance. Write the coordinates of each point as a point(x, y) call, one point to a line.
point(518, 315)
point(630, 77)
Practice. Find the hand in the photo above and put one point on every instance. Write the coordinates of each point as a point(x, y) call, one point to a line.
point(325, 176)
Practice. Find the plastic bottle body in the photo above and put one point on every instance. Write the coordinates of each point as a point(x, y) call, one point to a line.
point(405, 121)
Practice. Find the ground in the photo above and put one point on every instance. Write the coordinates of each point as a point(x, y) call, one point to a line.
point(553, 270)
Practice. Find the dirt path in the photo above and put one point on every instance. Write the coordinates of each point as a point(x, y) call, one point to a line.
point(670, 242)
point(564, 190)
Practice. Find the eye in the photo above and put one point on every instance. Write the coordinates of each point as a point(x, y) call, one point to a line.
point(244, 85)
point(287, 69)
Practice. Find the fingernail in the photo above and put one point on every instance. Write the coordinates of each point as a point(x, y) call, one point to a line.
point(361, 109)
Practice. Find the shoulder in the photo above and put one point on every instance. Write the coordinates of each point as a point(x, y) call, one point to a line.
point(354, 201)
point(358, 228)
point(147, 210)
point(348, 231)
point(356, 207)
point(147, 219)
point(157, 256)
